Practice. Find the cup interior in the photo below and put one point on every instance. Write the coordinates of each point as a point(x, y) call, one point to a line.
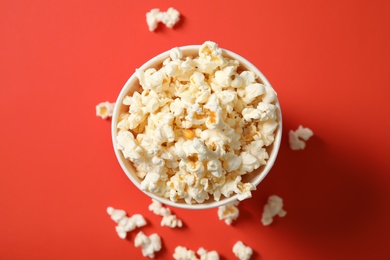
point(132, 85)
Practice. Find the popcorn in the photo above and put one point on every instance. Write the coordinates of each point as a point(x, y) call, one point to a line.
point(157, 208)
point(233, 184)
point(295, 137)
point(171, 221)
point(152, 18)
point(150, 79)
point(242, 251)
point(125, 224)
point(252, 91)
point(105, 109)
point(175, 54)
point(224, 77)
point(228, 212)
point(231, 162)
point(116, 214)
point(169, 18)
point(254, 155)
point(168, 219)
point(207, 255)
point(182, 253)
point(273, 207)
point(149, 244)
point(197, 125)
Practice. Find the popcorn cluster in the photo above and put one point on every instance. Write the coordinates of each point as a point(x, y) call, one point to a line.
point(125, 224)
point(198, 126)
point(273, 207)
point(229, 212)
point(298, 137)
point(169, 18)
point(182, 253)
point(241, 251)
point(168, 219)
point(105, 109)
point(149, 244)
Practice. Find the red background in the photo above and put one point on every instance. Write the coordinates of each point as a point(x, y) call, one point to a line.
point(328, 61)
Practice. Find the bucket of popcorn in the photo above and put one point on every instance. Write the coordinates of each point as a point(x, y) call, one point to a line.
point(197, 127)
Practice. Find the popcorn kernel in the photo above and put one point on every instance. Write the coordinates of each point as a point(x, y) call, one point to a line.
point(188, 133)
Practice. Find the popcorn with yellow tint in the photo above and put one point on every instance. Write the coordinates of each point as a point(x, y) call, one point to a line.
point(198, 126)
point(105, 109)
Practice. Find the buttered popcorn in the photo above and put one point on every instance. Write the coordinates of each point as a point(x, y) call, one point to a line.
point(198, 126)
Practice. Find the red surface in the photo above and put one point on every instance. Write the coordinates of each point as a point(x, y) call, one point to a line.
point(328, 60)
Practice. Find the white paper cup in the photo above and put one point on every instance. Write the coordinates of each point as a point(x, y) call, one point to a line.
point(132, 85)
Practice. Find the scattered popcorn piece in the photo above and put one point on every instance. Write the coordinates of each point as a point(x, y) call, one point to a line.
point(105, 109)
point(207, 255)
point(169, 18)
point(152, 18)
point(273, 207)
point(171, 221)
point(116, 214)
point(229, 212)
point(125, 224)
point(168, 219)
point(242, 251)
point(197, 126)
point(298, 137)
point(157, 208)
point(149, 244)
point(182, 253)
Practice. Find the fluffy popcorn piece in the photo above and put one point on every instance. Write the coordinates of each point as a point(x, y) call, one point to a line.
point(242, 251)
point(229, 212)
point(129, 147)
point(207, 255)
point(135, 221)
point(125, 224)
point(182, 253)
point(234, 185)
point(105, 109)
point(273, 207)
point(157, 208)
point(116, 214)
point(168, 219)
point(171, 221)
point(150, 79)
point(149, 244)
point(298, 137)
point(175, 54)
point(169, 18)
point(152, 19)
point(197, 126)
